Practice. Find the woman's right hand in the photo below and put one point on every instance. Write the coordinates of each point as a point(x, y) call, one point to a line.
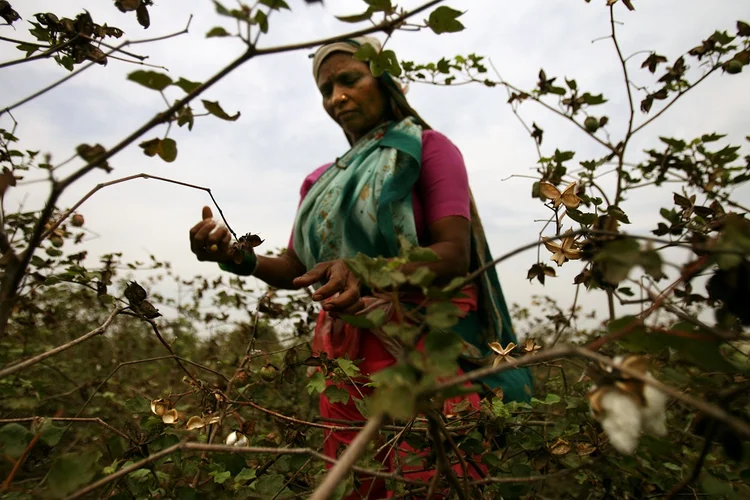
point(210, 241)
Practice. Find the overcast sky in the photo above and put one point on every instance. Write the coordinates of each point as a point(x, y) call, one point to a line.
point(255, 166)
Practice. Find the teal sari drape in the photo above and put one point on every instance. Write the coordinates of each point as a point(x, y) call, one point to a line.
point(363, 204)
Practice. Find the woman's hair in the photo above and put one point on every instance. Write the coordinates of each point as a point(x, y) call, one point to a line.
point(399, 107)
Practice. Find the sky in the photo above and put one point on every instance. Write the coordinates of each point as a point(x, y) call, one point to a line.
point(255, 166)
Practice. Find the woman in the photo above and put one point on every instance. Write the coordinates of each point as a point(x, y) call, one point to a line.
point(400, 179)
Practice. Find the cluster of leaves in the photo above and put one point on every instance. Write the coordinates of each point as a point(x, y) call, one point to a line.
point(73, 40)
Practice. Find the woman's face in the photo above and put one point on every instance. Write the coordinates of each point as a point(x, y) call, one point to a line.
point(351, 95)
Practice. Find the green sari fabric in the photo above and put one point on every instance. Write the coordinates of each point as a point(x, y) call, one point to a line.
point(363, 204)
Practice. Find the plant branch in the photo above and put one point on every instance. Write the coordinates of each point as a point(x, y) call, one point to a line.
point(43, 55)
point(621, 150)
point(15, 273)
point(92, 420)
point(21, 365)
point(102, 185)
point(232, 449)
point(347, 460)
point(678, 96)
point(565, 351)
point(444, 465)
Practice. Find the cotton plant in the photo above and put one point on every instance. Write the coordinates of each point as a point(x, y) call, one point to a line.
point(626, 408)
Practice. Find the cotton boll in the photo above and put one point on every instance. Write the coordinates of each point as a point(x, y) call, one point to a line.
point(621, 420)
point(654, 412)
point(236, 439)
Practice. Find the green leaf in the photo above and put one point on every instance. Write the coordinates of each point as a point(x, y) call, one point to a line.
point(388, 60)
point(245, 475)
point(357, 18)
point(499, 410)
point(269, 485)
point(187, 85)
point(216, 110)
point(217, 32)
point(336, 394)
point(585, 219)
point(51, 434)
point(150, 79)
point(187, 493)
point(28, 48)
point(71, 471)
point(366, 52)
point(14, 438)
point(445, 20)
point(421, 277)
point(402, 331)
point(593, 100)
point(262, 19)
point(317, 383)
point(421, 254)
point(220, 477)
point(275, 4)
point(348, 367)
point(373, 319)
point(442, 315)
point(380, 5)
point(714, 487)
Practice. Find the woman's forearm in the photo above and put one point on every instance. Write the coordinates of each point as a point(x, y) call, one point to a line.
point(279, 272)
point(453, 262)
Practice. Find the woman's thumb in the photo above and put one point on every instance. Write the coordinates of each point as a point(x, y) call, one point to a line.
point(207, 214)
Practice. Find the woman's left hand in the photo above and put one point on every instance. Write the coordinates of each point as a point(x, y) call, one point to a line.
point(340, 290)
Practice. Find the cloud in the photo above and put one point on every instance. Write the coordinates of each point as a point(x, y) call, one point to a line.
point(255, 166)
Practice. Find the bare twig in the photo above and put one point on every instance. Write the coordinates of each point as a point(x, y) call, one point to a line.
point(47, 53)
point(231, 449)
point(628, 134)
point(21, 365)
point(103, 185)
point(92, 420)
point(564, 351)
point(347, 460)
point(444, 465)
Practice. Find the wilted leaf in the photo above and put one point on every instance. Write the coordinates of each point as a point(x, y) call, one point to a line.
point(356, 18)
point(215, 109)
point(187, 85)
point(165, 148)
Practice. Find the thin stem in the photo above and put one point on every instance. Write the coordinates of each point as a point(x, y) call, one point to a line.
point(92, 420)
point(349, 457)
point(42, 55)
point(22, 365)
point(621, 150)
point(565, 351)
point(102, 185)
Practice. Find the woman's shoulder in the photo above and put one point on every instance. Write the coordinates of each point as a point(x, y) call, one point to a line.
point(312, 177)
point(434, 142)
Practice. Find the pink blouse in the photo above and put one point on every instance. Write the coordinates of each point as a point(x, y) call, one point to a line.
point(442, 189)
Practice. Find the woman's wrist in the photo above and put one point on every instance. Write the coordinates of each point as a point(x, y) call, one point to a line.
point(245, 267)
